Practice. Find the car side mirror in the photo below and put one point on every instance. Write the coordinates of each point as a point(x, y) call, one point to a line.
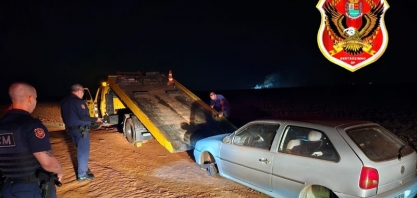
point(226, 139)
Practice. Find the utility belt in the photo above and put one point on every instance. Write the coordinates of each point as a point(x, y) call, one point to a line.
point(78, 127)
point(84, 129)
point(45, 179)
point(26, 179)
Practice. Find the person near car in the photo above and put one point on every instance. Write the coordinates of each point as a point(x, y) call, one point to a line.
point(220, 104)
point(25, 147)
point(77, 120)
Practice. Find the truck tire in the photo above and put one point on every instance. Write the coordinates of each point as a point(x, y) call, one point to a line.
point(128, 130)
point(134, 131)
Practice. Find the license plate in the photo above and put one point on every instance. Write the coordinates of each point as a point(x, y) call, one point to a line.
point(400, 196)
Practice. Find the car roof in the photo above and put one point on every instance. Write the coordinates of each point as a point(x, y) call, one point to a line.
point(325, 121)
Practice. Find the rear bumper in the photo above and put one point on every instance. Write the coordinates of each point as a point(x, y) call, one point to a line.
point(409, 190)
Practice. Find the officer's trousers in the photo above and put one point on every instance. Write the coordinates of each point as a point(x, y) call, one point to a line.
point(83, 150)
point(23, 190)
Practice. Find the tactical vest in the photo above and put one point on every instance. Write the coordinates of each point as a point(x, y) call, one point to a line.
point(16, 160)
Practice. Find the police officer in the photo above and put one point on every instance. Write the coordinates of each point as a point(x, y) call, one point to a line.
point(77, 122)
point(25, 146)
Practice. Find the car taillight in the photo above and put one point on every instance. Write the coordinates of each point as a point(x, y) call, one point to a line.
point(369, 178)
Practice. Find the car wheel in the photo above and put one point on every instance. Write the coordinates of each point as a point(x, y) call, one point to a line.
point(212, 170)
point(316, 191)
point(210, 164)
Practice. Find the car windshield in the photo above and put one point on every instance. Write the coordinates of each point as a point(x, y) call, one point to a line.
point(378, 144)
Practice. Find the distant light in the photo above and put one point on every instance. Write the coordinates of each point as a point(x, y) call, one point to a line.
point(270, 81)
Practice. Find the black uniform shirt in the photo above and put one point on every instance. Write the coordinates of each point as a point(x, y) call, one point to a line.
point(34, 133)
point(74, 112)
point(21, 135)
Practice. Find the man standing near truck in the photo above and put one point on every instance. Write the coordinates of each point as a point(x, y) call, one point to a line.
point(26, 149)
point(77, 122)
point(220, 104)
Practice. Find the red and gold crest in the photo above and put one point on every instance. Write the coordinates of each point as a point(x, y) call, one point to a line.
point(82, 106)
point(352, 33)
point(40, 133)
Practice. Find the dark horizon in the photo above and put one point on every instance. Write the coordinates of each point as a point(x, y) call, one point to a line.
point(207, 45)
point(401, 90)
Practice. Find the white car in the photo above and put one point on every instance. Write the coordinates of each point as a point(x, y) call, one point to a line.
point(313, 158)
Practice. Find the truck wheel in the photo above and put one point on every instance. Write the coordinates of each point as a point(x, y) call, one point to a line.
point(129, 130)
point(134, 131)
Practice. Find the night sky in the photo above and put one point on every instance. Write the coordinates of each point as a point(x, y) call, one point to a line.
point(209, 45)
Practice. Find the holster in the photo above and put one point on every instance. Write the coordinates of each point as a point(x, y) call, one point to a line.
point(47, 180)
point(84, 130)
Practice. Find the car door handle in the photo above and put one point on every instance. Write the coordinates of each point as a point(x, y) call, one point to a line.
point(264, 160)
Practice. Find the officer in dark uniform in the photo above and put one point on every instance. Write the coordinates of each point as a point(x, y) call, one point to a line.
point(24, 146)
point(77, 122)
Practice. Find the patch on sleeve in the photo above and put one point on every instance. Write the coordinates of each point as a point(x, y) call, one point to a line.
point(82, 106)
point(40, 133)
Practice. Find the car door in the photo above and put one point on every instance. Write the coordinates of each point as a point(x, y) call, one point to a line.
point(247, 157)
point(305, 156)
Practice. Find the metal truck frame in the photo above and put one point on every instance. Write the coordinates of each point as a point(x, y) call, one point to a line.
point(154, 105)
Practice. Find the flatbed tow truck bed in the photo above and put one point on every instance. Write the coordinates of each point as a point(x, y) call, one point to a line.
point(173, 115)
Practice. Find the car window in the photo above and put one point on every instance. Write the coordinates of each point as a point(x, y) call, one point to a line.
point(258, 135)
point(307, 142)
point(378, 144)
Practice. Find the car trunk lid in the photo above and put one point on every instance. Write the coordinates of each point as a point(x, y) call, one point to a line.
point(395, 173)
point(381, 150)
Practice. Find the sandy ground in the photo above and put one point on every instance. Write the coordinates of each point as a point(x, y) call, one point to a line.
point(123, 170)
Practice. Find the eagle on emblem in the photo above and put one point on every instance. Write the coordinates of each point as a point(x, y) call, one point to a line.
point(353, 40)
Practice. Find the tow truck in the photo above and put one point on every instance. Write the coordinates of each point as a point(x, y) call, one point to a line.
point(155, 105)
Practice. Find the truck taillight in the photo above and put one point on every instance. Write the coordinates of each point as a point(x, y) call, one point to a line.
point(369, 178)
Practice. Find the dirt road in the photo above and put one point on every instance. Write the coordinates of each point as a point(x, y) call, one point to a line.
point(123, 170)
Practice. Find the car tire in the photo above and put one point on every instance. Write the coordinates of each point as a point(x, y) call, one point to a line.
point(212, 170)
point(316, 191)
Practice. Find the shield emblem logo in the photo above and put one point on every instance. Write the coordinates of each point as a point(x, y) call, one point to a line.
point(352, 33)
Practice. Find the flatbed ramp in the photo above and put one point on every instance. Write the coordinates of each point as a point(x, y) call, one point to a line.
point(173, 115)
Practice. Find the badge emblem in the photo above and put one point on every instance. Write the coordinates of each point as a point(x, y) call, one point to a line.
point(82, 106)
point(40, 133)
point(352, 33)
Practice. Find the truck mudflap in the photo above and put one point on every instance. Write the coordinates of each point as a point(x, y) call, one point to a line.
point(174, 116)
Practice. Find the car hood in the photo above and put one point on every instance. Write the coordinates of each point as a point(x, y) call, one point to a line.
point(212, 141)
point(216, 137)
